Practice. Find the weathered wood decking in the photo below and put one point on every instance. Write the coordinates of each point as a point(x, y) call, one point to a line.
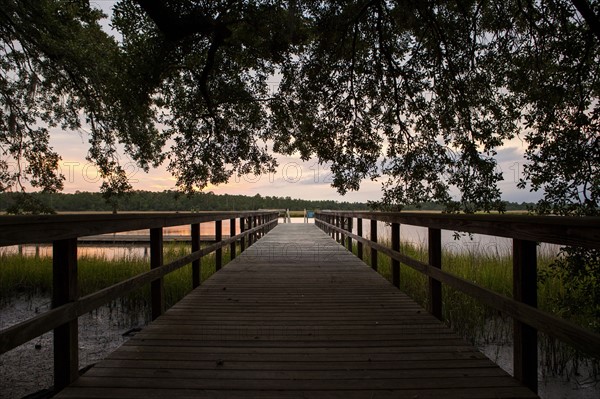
point(296, 316)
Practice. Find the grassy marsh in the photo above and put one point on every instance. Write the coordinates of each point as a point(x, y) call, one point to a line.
point(482, 325)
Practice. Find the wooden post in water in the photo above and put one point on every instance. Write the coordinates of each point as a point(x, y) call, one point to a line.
point(196, 264)
point(525, 290)
point(359, 232)
point(434, 243)
point(156, 260)
point(65, 289)
point(243, 239)
point(232, 246)
point(218, 238)
point(349, 239)
point(374, 239)
point(250, 237)
point(396, 247)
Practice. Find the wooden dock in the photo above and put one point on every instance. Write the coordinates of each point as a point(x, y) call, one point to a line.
point(296, 316)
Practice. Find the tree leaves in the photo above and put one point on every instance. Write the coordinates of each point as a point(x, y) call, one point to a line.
point(418, 94)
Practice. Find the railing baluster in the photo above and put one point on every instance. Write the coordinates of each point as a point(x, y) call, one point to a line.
point(396, 247)
point(218, 238)
point(359, 232)
point(434, 243)
point(64, 290)
point(349, 239)
point(243, 239)
point(525, 290)
point(156, 260)
point(232, 246)
point(374, 239)
point(196, 247)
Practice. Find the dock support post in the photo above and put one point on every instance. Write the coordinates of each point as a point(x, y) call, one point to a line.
point(374, 239)
point(396, 247)
point(65, 289)
point(218, 238)
point(434, 243)
point(232, 246)
point(250, 237)
point(359, 232)
point(156, 260)
point(243, 239)
point(348, 238)
point(525, 290)
point(196, 247)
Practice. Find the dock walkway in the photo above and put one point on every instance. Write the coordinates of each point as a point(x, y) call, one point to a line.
point(296, 316)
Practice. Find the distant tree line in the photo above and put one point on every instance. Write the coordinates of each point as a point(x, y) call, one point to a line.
point(175, 201)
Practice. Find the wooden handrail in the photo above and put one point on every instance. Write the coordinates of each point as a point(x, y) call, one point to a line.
point(63, 230)
point(525, 232)
point(15, 230)
point(561, 230)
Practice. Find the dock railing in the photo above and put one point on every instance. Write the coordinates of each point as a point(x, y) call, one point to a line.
point(525, 232)
point(62, 232)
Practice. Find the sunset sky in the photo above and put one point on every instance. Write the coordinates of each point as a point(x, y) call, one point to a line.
point(294, 178)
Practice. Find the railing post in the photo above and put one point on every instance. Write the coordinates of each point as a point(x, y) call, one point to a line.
point(218, 238)
point(359, 232)
point(374, 239)
point(331, 230)
point(65, 289)
point(232, 246)
point(349, 239)
point(525, 290)
point(196, 247)
point(156, 260)
point(434, 243)
point(250, 236)
point(396, 247)
point(337, 224)
point(243, 239)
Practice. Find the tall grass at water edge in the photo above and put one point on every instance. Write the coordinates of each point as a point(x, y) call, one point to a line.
point(26, 277)
point(482, 325)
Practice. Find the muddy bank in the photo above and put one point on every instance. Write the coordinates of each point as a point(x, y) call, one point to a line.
point(28, 368)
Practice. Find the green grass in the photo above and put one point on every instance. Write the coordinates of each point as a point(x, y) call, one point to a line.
point(483, 325)
point(32, 276)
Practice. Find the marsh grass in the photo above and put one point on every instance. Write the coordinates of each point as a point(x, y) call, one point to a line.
point(27, 277)
point(482, 325)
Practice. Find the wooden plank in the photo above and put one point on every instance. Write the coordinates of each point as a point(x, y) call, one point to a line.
point(563, 230)
point(196, 264)
point(396, 247)
point(218, 238)
point(373, 249)
point(232, 246)
point(525, 357)
point(359, 244)
point(578, 337)
point(305, 320)
point(47, 228)
point(421, 393)
point(434, 252)
point(65, 289)
point(23, 332)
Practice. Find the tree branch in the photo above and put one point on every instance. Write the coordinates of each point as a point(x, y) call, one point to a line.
point(589, 15)
point(174, 26)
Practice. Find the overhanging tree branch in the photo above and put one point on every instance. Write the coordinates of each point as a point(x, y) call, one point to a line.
point(175, 26)
point(589, 15)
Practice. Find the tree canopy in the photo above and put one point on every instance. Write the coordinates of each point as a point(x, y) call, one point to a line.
point(419, 93)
